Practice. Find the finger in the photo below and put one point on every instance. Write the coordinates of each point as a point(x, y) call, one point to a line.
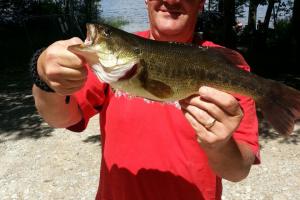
point(71, 41)
point(74, 74)
point(213, 110)
point(204, 137)
point(200, 115)
point(59, 52)
point(194, 123)
point(75, 40)
point(57, 73)
point(204, 119)
point(224, 100)
point(71, 60)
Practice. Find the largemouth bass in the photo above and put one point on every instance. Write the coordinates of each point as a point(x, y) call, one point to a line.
point(167, 71)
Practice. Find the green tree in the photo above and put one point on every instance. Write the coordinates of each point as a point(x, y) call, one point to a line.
point(69, 7)
point(85, 10)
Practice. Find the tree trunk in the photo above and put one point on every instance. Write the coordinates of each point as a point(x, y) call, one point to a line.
point(69, 7)
point(91, 10)
point(252, 15)
point(295, 28)
point(275, 14)
point(268, 14)
point(296, 17)
point(229, 22)
point(221, 6)
point(88, 12)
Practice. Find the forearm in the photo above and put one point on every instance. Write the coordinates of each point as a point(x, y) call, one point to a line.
point(232, 161)
point(54, 110)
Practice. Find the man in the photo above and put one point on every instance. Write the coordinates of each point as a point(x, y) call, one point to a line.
point(152, 150)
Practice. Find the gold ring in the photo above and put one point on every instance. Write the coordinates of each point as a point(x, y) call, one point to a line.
point(210, 124)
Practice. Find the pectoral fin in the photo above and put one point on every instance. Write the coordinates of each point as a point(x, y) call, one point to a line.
point(158, 88)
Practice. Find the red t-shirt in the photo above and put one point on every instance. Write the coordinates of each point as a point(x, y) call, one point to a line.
point(149, 150)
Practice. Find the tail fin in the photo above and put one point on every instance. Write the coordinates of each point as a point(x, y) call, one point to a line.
point(281, 107)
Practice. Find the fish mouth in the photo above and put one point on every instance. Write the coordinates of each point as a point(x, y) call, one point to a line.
point(105, 62)
point(90, 34)
point(90, 37)
point(85, 48)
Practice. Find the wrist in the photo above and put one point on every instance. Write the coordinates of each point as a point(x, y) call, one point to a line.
point(37, 91)
point(220, 147)
point(35, 72)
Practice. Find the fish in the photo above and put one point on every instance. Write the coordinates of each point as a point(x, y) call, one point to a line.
point(170, 71)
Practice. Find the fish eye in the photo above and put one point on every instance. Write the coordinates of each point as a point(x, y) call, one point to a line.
point(106, 32)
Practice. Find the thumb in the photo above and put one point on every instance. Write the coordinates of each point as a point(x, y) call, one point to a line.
point(74, 40)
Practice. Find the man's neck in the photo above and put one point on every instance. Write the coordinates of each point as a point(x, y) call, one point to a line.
point(172, 38)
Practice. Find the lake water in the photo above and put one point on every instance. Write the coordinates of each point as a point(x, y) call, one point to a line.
point(135, 12)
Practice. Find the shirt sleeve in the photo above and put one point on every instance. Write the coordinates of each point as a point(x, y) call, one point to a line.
point(248, 129)
point(90, 100)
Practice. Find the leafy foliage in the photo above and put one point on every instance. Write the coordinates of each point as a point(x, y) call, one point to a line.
point(13, 12)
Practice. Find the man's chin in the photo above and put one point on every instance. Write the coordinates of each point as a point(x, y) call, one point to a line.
point(171, 29)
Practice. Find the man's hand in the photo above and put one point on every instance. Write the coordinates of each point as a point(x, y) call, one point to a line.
point(214, 115)
point(62, 70)
point(65, 73)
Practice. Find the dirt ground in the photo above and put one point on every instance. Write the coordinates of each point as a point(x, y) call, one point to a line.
point(65, 165)
point(38, 162)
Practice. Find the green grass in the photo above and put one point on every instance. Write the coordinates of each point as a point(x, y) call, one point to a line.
point(116, 22)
